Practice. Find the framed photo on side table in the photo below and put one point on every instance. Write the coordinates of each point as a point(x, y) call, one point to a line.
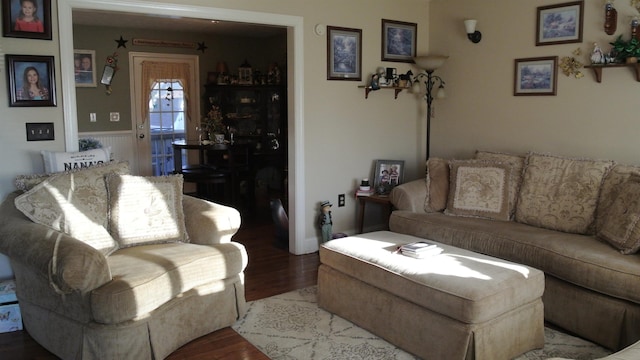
point(31, 20)
point(388, 174)
point(399, 40)
point(536, 76)
point(31, 80)
point(560, 23)
point(344, 53)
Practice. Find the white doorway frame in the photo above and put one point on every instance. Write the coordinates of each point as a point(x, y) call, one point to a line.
point(295, 72)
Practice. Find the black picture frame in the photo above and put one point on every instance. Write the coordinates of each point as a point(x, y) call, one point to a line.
point(13, 26)
point(399, 39)
point(560, 23)
point(536, 76)
point(19, 68)
point(387, 175)
point(344, 53)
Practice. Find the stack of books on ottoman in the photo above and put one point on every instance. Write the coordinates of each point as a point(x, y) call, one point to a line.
point(420, 249)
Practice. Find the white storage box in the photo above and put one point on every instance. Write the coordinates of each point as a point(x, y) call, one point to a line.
point(10, 318)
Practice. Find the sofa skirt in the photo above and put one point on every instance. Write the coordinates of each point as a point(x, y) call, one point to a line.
point(188, 316)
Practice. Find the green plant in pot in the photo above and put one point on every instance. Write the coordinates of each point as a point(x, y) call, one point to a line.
point(626, 51)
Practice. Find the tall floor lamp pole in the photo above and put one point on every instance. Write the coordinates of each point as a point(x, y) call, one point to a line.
point(429, 64)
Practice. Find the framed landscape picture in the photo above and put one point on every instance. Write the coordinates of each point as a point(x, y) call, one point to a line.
point(31, 80)
point(344, 53)
point(398, 41)
point(26, 19)
point(388, 174)
point(560, 23)
point(536, 76)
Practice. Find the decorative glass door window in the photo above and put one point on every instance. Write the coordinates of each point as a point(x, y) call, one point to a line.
point(167, 124)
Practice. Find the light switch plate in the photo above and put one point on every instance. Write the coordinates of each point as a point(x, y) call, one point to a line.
point(40, 131)
point(114, 116)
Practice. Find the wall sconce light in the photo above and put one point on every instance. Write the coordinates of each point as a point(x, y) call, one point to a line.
point(473, 35)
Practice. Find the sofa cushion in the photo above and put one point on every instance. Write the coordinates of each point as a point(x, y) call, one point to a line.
point(479, 188)
point(620, 226)
point(560, 193)
point(517, 166)
point(74, 203)
point(618, 175)
point(159, 273)
point(64, 161)
point(437, 185)
point(146, 210)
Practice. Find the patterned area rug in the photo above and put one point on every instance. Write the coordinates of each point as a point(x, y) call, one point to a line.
point(291, 326)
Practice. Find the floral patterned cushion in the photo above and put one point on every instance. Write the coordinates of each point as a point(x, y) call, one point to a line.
point(437, 185)
point(611, 186)
point(517, 166)
point(74, 203)
point(479, 188)
point(560, 193)
point(146, 210)
point(620, 226)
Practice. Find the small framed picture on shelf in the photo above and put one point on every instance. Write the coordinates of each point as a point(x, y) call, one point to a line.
point(399, 40)
point(388, 174)
point(560, 23)
point(344, 53)
point(536, 76)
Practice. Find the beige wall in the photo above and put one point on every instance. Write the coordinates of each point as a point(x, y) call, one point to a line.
point(343, 132)
point(585, 119)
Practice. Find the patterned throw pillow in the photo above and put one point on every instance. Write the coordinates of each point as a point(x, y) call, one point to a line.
point(479, 188)
point(437, 185)
point(517, 165)
point(621, 226)
point(560, 193)
point(74, 203)
point(146, 210)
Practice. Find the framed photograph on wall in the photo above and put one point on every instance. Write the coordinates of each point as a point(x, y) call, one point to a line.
point(399, 40)
point(388, 174)
point(26, 19)
point(536, 76)
point(344, 53)
point(560, 23)
point(31, 80)
point(84, 63)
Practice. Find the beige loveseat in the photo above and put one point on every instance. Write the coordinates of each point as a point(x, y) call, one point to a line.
point(113, 266)
point(574, 219)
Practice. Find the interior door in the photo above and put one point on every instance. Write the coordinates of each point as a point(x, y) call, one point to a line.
point(163, 112)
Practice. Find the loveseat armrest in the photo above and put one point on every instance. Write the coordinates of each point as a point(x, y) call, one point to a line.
point(409, 196)
point(209, 223)
point(67, 263)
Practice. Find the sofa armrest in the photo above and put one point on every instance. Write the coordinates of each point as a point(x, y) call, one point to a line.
point(67, 263)
point(409, 196)
point(209, 223)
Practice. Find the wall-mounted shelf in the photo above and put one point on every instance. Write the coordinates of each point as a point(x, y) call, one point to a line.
point(368, 89)
point(597, 69)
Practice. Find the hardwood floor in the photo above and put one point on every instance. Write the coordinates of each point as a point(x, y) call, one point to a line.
point(271, 271)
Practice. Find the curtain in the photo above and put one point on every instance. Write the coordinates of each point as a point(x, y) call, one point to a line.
point(153, 72)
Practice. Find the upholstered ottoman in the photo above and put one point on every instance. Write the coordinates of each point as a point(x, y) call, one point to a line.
point(454, 305)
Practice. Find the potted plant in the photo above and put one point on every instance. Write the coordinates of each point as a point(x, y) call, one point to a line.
point(626, 51)
point(213, 126)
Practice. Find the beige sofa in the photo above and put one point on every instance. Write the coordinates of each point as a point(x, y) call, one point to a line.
point(172, 274)
point(574, 219)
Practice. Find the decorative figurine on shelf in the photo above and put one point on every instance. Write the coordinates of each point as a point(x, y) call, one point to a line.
point(597, 56)
point(374, 82)
point(325, 221)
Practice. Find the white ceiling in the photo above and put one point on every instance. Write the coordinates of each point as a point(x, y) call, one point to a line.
point(165, 23)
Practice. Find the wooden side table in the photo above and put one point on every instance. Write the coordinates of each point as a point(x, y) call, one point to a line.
point(375, 199)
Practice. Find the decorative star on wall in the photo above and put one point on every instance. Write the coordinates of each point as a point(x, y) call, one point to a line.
point(201, 46)
point(121, 42)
